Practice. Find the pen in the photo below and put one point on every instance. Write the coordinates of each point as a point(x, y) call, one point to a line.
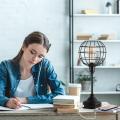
point(26, 106)
point(108, 108)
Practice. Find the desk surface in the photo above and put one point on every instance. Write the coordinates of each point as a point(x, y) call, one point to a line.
point(51, 115)
point(50, 112)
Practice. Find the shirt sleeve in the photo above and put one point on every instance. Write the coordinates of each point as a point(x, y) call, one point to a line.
point(3, 84)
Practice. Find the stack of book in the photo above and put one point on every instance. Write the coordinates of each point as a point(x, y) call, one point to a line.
point(89, 11)
point(66, 103)
point(103, 37)
point(84, 37)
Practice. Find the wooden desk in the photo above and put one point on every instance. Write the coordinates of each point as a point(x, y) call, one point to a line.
point(50, 115)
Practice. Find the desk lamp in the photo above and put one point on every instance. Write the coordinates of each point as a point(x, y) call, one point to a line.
point(92, 53)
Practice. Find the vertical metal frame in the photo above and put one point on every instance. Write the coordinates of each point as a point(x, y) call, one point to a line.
point(71, 40)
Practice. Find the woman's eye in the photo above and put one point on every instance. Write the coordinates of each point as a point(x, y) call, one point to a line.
point(32, 52)
point(40, 57)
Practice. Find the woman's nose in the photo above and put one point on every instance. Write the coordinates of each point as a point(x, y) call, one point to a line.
point(34, 58)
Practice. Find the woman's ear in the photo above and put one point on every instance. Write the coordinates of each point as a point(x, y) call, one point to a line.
point(23, 48)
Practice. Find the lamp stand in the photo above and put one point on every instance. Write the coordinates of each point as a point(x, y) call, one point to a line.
point(91, 102)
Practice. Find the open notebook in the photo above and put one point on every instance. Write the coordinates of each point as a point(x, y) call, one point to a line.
point(29, 106)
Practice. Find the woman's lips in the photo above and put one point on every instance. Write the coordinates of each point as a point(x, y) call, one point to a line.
point(31, 62)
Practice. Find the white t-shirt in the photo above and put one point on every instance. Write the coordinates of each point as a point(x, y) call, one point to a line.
point(25, 88)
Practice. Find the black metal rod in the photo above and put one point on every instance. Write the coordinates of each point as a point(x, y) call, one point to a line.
point(91, 67)
point(70, 52)
point(71, 38)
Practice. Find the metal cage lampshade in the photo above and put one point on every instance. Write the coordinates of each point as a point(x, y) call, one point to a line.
point(92, 53)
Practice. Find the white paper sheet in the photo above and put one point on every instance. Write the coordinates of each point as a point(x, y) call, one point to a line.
point(29, 106)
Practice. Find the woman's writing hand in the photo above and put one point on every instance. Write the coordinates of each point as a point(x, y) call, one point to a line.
point(13, 103)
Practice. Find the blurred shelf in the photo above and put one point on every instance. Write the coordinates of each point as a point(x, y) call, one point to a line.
point(103, 92)
point(96, 15)
point(106, 67)
point(104, 41)
point(96, 25)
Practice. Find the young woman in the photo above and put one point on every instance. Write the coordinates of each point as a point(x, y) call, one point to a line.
point(26, 77)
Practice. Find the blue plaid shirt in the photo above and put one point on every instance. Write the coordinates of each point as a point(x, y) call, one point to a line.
point(43, 75)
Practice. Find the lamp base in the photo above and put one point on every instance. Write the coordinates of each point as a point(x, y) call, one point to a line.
point(91, 102)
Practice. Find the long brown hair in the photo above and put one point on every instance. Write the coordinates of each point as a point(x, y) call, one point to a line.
point(34, 37)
